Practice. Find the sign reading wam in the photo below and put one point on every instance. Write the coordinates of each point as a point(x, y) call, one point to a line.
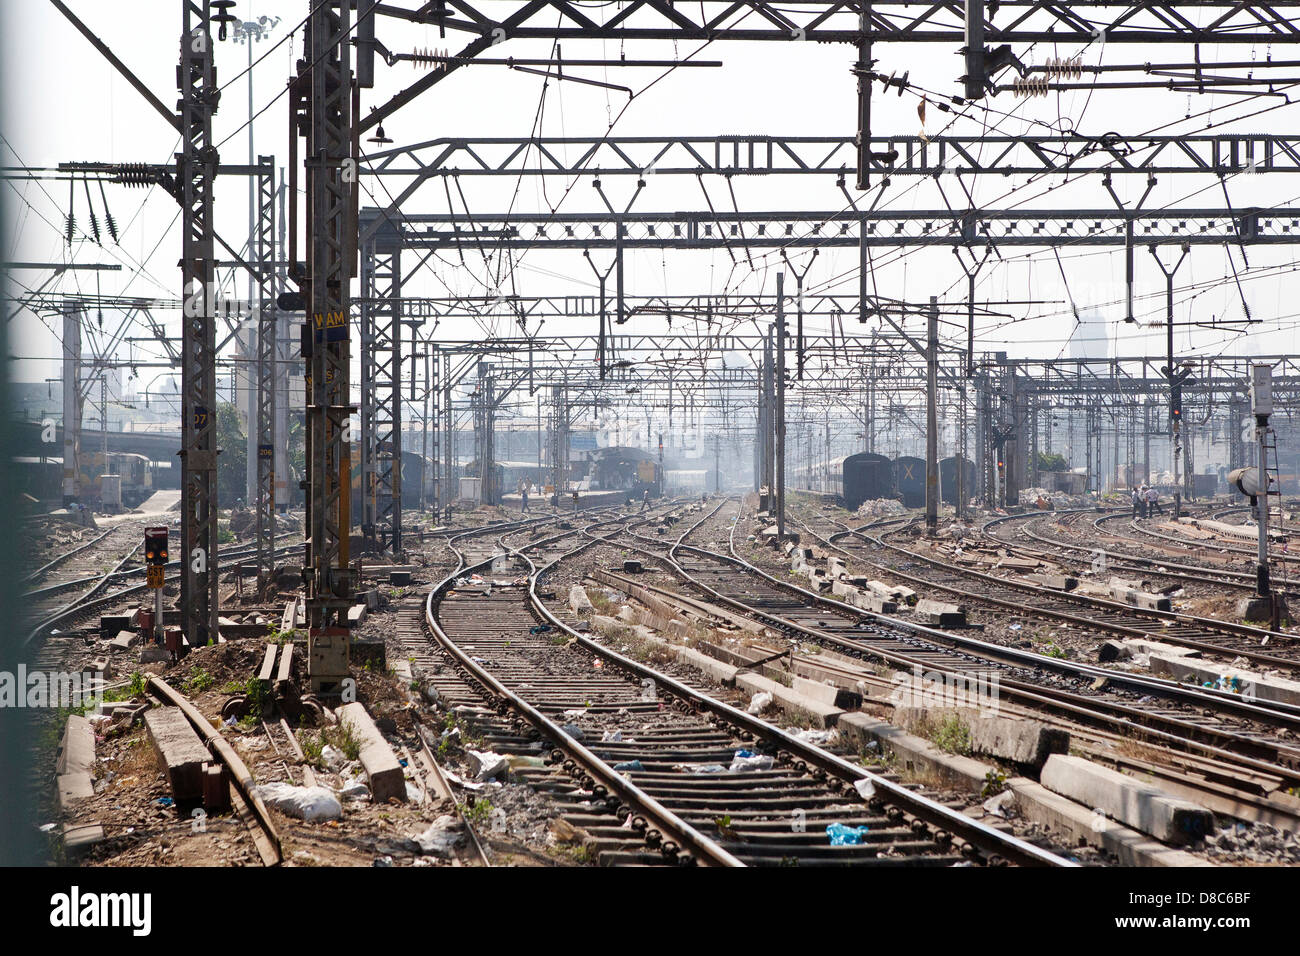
point(330, 326)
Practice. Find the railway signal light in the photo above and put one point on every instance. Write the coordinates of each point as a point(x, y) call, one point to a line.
point(155, 546)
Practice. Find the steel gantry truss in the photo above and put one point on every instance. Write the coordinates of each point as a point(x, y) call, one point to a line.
point(381, 390)
point(196, 168)
point(267, 379)
point(832, 156)
point(708, 229)
point(332, 232)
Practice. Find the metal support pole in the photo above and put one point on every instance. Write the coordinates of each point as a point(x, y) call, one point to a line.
point(72, 318)
point(196, 169)
point(267, 326)
point(932, 421)
point(332, 239)
point(780, 407)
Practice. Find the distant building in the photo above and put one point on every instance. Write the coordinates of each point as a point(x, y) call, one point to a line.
point(1088, 339)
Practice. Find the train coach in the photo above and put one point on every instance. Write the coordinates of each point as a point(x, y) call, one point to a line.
point(909, 473)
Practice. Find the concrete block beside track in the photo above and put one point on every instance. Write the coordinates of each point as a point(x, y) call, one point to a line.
point(1142, 806)
point(579, 603)
point(941, 614)
point(1253, 686)
point(1129, 595)
point(377, 758)
point(789, 700)
point(1025, 742)
point(914, 754)
point(178, 745)
point(1074, 824)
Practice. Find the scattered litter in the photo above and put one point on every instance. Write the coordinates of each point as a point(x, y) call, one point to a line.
point(999, 805)
point(745, 760)
point(841, 835)
point(700, 767)
point(312, 804)
point(441, 837)
point(163, 802)
point(484, 765)
point(818, 738)
point(354, 790)
point(574, 731)
point(333, 757)
point(517, 761)
point(879, 507)
point(759, 702)
point(629, 765)
point(866, 789)
point(611, 737)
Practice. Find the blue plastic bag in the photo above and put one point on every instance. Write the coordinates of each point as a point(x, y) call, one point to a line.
point(841, 835)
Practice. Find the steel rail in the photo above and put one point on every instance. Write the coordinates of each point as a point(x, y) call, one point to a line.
point(700, 847)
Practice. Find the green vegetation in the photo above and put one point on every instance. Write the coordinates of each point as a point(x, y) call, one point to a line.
point(951, 735)
point(197, 681)
point(1049, 462)
point(343, 736)
point(478, 812)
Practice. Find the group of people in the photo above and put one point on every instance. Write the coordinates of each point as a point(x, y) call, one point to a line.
point(1146, 502)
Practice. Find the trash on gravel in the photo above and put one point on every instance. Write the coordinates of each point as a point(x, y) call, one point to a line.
point(574, 731)
point(354, 790)
point(818, 738)
point(700, 767)
point(999, 805)
point(866, 789)
point(841, 835)
point(312, 804)
point(611, 737)
point(759, 702)
point(629, 765)
point(484, 764)
point(441, 837)
point(333, 757)
point(880, 507)
point(744, 760)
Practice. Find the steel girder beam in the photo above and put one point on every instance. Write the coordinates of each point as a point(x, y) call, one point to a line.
point(267, 329)
point(887, 228)
point(836, 156)
point(331, 249)
point(710, 309)
point(890, 21)
point(381, 407)
point(196, 168)
point(857, 22)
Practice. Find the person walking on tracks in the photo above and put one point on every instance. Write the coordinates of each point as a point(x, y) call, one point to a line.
point(1137, 502)
point(1153, 503)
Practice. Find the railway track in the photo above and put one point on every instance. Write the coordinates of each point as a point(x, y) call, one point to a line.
point(978, 588)
point(1241, 761)
point(1141, 557)
point(651, 779)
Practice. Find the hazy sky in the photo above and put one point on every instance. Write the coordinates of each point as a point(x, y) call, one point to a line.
point(64, 102)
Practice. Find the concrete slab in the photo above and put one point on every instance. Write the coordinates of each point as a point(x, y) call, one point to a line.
point(940, 614)
point(1077, 825)
point(77, 747)
point(579, 603)
point(181, 750)
point(1251, 684)
point(387, 780)
point(914, 754)
point(1136, 804)
point(792, 702)
point(73, 787)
